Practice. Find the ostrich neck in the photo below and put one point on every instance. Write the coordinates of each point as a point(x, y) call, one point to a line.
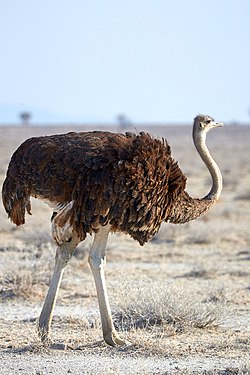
point(215, 192)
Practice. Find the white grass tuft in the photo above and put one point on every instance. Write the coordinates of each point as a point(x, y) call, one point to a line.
point(145, 304)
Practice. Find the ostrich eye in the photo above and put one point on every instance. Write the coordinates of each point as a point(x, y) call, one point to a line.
point(208, 121)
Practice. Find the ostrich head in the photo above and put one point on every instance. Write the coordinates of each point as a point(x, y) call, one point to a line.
point(202, 124)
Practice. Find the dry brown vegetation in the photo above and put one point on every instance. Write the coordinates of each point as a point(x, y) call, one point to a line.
point(182, 300)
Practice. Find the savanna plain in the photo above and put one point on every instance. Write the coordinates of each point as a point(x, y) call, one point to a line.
point(182, 300)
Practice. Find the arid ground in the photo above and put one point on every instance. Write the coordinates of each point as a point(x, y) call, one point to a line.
point(182, 300)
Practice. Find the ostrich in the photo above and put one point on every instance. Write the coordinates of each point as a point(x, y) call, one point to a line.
point(100, 182)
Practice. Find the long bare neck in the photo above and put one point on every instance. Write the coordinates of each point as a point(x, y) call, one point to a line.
point(200, 144)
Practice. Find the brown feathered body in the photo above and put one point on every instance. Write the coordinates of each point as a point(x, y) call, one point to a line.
point(128, 181)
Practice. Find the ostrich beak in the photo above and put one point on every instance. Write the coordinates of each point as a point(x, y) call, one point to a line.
point(215, 124)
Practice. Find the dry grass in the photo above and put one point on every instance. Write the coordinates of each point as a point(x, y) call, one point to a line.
point(143, 304)
point(29, 272)
point(21, 285)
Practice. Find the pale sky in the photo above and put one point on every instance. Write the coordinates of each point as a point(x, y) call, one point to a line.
point(153, 60)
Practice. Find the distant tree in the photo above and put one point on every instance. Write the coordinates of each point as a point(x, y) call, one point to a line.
point(123, 121)
point(25, 118)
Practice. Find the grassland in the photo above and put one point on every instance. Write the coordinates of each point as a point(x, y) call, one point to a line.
point(182, 300)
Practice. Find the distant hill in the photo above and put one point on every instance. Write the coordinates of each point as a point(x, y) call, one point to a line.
point(10, 114)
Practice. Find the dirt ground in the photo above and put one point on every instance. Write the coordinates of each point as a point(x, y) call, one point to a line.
point(182, 300)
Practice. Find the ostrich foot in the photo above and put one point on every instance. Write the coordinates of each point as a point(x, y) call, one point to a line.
point(113, 339)
point(43, 333)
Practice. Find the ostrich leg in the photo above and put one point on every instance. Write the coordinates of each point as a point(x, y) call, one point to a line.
point(97, 261)
point(63, 255)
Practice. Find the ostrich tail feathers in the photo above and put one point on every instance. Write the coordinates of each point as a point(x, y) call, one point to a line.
point(15, 202)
